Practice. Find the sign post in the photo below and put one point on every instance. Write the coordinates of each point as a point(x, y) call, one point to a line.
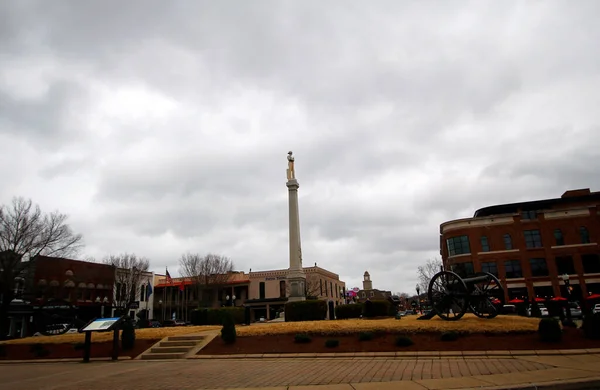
point(101, 325)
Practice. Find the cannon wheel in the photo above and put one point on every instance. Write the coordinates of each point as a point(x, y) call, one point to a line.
point(448, 295)
point(482, 293)
point(55, 317)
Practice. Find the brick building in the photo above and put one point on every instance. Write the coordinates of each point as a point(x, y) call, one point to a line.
point(530, 245)
point(373, 294)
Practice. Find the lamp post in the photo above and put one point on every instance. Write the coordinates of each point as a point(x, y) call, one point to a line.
point(232, 300)
point(418, 297)
point(162, 315)
point(565, 278)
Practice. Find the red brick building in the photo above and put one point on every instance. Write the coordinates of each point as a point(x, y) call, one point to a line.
point(530, 245)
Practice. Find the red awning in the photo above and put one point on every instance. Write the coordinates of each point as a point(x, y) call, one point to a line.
point(558, 299)
point(593, 296)
point(516, 300)
point(538, 299)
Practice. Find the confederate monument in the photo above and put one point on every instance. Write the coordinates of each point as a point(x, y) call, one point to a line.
point(295, 276)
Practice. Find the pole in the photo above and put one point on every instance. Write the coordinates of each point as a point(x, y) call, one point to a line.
point(87, 347)
point(115, 348)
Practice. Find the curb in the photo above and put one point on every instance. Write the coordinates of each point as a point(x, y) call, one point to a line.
point(71, 360)
point(406, 355)
point(591, 383)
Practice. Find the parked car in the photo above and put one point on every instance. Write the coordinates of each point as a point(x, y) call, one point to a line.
point(508, 309)
point(596, 308)
point(543, 310)
point(154, 324)
point(575, 310)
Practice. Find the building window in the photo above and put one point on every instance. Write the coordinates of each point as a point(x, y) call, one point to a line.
point(282, 289)
point(363, 295)
point(507, 242)
point(539, 267)
point(321, 287)
point(463, 269)
point(533, 239)
point(513, 269)
point(490, 267)
point(142, 293)
point(326, 289)
point(458, 245)
point(372, 294)
point(331, 288)
point(564, 265)
point(591, 263)
point(529, 214)
point(337, 291)
point(485, 246)
point(558, 237)
point(584, 234)
point(261, 290)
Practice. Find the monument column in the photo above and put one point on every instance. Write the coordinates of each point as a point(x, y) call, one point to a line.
point(296, 278)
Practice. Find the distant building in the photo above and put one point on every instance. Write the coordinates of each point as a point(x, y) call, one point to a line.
point(530, 245)
point(140, 300)
point(368, 292)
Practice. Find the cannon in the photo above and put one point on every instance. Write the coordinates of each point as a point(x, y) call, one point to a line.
point(451, 296)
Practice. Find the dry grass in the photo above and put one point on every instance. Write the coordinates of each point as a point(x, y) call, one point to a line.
point(98, 337)
point(468, 324)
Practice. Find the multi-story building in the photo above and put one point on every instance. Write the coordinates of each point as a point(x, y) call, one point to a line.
point(142, 297)
point(368, 292)
point(532, 247)
point(265, 292)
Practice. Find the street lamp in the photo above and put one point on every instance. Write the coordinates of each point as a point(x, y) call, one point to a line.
point(232, 300)
point(418, 296)
point(565, 278)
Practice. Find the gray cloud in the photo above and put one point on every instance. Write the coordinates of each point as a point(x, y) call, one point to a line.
point(162, 127)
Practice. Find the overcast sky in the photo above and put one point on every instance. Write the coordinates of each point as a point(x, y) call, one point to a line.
point(162, 127)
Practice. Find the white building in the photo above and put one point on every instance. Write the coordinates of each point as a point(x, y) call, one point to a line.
point(140, 300)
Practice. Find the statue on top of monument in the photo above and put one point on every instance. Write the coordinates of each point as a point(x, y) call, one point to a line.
point(290, 171)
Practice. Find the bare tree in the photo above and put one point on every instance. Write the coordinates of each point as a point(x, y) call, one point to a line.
point(26, 232)
point(129, 272)
point(312, 286)
point(426, 271)
point(205, 272)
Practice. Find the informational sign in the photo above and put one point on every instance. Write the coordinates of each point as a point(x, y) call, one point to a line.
point(135, 305)
point(101, 324)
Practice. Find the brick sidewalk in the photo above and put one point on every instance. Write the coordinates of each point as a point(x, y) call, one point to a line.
point(425, 373)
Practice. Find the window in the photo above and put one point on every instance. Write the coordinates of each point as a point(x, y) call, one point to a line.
point(363, 295)
point(337, 291)
point(564, 265)
point(485, 247)
point(529, 214)
point(507, 242)
point(558, 237)
point(463, 269)
point(533, 239)
point(261, 290)
point(321, 286)
point(490, 267)
point(591, 263)
point(282, 288)
point(326, 288)
point(331, 288)
point(513, 269)
point(142, 293)
point(458, 245)
point(372, 294)
point(584, 234)
point(539, 267)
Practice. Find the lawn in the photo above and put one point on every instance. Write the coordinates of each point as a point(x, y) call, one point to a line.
point(468, 324)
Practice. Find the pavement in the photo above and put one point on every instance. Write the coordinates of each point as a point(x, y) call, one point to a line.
point(575, 369)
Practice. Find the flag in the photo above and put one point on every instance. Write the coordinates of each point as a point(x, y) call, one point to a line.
point(148, 291)
point(169, 279)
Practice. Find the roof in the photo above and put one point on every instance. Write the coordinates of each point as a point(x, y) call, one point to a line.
point(177, 283)
point(569, 197)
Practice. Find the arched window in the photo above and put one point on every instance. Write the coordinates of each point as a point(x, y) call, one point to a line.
point(584, 234)
point(558, 237)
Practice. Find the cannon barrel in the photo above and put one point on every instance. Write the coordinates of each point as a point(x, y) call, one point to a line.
point(475, 279)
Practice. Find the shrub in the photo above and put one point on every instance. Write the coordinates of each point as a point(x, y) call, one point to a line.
point(365, 336)
point(368, 309)
point(377, 309)
point(353, 310)
point(549, 330)
point(302, 338)
point(39, 350)
point(591, 326)
point(127, 335)
point(313, 310)
point(79, 346)
point(449, 336)
point(332, 343)
point(215, 316)
point(228, 333)
point(403, 341)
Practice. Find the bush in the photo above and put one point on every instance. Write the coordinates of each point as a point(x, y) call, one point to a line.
point(79, 346)
point(377, 309)
point(591, 326)
point(302, 338)
point(127, 335)
point(332, 343)
point(365, 336)
point(39, 350)
point(215, 316)
point(449, 336)
point(549, 330)
point(2, 350)
point(403, 341)
point(313, 310)
point(228, 333)
point(353, 310)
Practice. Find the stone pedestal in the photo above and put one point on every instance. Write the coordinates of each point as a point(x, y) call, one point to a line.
point(296, 278)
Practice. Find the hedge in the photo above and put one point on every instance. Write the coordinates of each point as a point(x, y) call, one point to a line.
point(215, 316)
point(353, 310)
point(377, 308)
point(312, 310)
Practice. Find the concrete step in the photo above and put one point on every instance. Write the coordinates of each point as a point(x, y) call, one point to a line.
point(186, 338)
point(169, 349)
point(154, 356)
point(178, 343)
